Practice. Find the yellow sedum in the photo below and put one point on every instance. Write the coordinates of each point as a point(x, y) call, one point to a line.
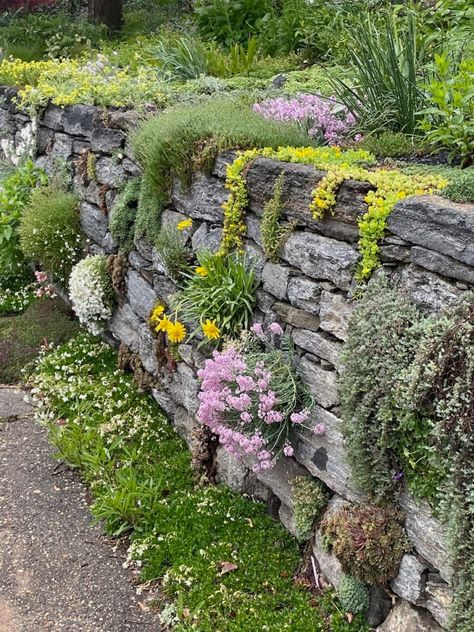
point(389, 186)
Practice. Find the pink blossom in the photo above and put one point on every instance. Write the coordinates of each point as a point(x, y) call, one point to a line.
point(288, 450)
point(264, 455)
point(266, 465)
point(319, 429)
point(41, 277)
point(246, 417)
point(276, 329)
point(257, 329)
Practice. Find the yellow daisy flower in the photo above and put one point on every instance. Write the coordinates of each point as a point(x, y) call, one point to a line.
point(176, 332)
point(157, 313)
point(164, 324)
point(201, 270)
point(186, 223)
point(211, 330)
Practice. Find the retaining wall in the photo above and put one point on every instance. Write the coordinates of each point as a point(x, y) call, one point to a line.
point(429, 250)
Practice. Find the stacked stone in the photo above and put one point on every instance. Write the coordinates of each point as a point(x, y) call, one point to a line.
point(429, 250)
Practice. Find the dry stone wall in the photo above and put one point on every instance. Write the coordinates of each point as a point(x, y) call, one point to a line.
point(429, 250)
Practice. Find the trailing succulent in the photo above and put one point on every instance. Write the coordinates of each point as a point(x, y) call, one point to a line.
point(368, 540)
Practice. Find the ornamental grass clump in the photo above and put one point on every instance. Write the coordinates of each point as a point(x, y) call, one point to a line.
point(251, 397)
point(368, 540)
point(91, 292)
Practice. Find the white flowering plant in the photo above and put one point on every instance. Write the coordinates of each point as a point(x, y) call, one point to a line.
point(91, 292)
point(23, 147)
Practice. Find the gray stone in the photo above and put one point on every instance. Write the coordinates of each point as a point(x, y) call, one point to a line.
point(410, 582)
point(157, 262)
point(206, 238)
point(439, 598)
point(164, 287)
point(164, 401)
point(304, 293)
point(124, 326)
point(442, 264)
point(436, 223)
point(144, 248)
point(146, 349)
point(287, 518)
point(131, 167)
point(79, 120)
point(406, 618)
point(275, 279)
point(171, 219)
point(394, 253)
point(124, 120)
point(184, 388)
point(44, 138)
point(137, 261)
point(335, 312)
point(328, 563)
point(321, 258)
point(279, 479)
point(253, 229)
point(238, 476)
point(141, 295)
point(427, 289)
point(426, 534)
point(203, 200)
point(379, 607)
point(322, 384)
point(224, 159)
point(62, 147)
point(109, 244)
point(325, 455)
point(93, 222)
point(53, 117)
point(80, 146)
point(255, 257)
point(106, 141)
point(319, 346)
point(109, 172)
point(296, 317)
point(184, 424)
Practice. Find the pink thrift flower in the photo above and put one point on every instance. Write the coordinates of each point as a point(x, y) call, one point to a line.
point(276, 329)
point(41, 277)
point(319, 429)
point(264, 455)
point(288, 450)
point(246, 417)
point(266, 465)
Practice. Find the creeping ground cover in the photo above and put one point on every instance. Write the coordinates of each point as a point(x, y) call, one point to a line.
point(223, 563)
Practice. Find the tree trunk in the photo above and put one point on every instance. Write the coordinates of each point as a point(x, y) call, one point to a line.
point(109, 12)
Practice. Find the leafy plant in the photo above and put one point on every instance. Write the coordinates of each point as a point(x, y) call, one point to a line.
point(449, 117)
point(91, 292)
point(173, 251)
point(368, 540)
point(49, 231)
point(273, 233)
point(222, 291)
point(393, 145)
point(353, 595)
point(386, 61)
point(310, 498)
point(123, 215)
point(231, 21)
point(461, 186)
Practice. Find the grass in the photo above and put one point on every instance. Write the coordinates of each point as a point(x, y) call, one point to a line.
point(21, 337)
point(224, 565)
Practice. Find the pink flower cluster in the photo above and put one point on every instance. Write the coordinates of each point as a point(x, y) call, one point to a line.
point(43, 289)
point(237, 402)
point(322, 116)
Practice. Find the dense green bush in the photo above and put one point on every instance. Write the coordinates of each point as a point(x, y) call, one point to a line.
point(50, 232)
point(353, 595)
point(461, 186)
point(310, 498)
point(368, 540)
point(231, 21)
point(393, 144)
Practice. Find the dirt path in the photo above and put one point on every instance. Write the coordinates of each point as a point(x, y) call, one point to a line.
point(57, 573)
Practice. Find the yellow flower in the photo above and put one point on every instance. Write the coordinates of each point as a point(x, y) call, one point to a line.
point(186, 223)
point(157, 313)
point(201, 271)
point(164, 324)
point(211, 330)
point(176, 332)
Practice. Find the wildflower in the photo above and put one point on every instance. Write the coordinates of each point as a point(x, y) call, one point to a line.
point(202, 271)
point(186, 223)
point(211, 330)
point(157, 313)
point(176, 331)
point(319, 429)
point(276, 329)
point(164, 324)
point(257, 329)
point(288, 450)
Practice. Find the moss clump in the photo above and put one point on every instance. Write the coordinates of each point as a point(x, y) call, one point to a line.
point(310, 498)
point(368, 540)
point(353, 595)
point(461, 187)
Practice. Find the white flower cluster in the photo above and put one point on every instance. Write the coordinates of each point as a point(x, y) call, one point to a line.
point(90, 292)
point(24, 147)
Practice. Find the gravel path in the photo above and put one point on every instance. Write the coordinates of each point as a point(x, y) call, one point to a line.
point(57, 572)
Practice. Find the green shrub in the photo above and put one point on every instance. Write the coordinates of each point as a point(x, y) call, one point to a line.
point(187, 137)
point(222, 290)
point(310, 498)
point(231, 21)
point(393, 145)
point(15, 193)
point(368, 540)
point(273, 233)
point(353, 595)
point(123, 215)
point(50, 232)
point(449, 117)
point(461, 187)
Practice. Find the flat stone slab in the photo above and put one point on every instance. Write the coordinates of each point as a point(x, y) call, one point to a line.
point(57, 572)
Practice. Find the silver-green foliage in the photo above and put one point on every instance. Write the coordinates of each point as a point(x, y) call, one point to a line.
point(353, 595)
point(310, 498)
point(273, 233)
